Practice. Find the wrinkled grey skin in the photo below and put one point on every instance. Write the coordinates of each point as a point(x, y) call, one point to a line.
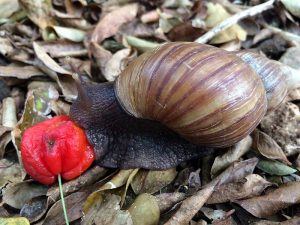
point(122, 141)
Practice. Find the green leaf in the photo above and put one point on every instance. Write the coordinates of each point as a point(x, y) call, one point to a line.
point(71, 34)
point(275, 168)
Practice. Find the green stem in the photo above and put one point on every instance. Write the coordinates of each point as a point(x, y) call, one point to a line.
point(62, 199)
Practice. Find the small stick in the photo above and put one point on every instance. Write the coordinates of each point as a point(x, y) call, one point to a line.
point(62, 199)
point(234, 19)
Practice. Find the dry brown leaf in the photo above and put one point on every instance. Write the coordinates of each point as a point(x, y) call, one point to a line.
point(111, 22)
point(84, 180)
point(47, 60)
point(104, 209)
point(17, 194)
point(5, 138)
point(24, 72)
point(250, 186)
point(267, 205)
point(293, 221)
point(39, 12)
point(152, 181)
point(167, 200)
point(268, 147)
point(283, 126)
point(100, 54)
point(49, 66)
point(116, 64)
point(63, 48)
point(232, 155)
point(216, 14)
point(10, 172)
point(6, 47)
point(74, 205)
point(192, 205)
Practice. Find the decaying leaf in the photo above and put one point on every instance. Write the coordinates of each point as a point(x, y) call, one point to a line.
point(166, 201)
point(251, 185)
point(109, 25)
point(63, 48)
point(34, 209)
point(84, 180)
point(267, 205)
point(216, 14)
point(192, 205)
point(5, 138)
point(10, 172)
point(74, 205)
point(39, 12)
point(282, 125)
point(16, 195)
point(167, 21)
point(49, 66)
point(48, 61)
point(116, 64)
point(268, 147)
point(24, 72)
point(152, 181)
point(236, 171)
point(293, 221)
point(118, 180)
point(232, 155)
point(105, 210)
point(144, 210)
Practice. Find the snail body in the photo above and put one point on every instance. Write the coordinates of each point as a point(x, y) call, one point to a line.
point(176, 102)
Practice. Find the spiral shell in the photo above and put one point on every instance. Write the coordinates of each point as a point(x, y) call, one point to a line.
point(273, 75)
point(206, 95)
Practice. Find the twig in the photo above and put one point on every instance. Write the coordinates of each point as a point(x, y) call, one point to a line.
point(285, 34)
point(234, 19)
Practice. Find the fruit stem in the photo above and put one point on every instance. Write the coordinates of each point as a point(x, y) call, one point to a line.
point(62, 199)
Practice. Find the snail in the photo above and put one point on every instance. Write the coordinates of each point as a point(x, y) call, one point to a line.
point(174, 103)
point(178, 102)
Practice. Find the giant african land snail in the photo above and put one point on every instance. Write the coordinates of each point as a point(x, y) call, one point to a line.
point(177, 102)
point(209, 97)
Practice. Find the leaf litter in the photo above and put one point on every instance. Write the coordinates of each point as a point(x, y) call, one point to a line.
point(44, 44)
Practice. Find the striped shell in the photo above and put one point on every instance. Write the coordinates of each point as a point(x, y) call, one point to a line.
point(271, 73)
point(206, 95)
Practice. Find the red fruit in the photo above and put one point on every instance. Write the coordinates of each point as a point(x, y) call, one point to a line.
point(55, 146)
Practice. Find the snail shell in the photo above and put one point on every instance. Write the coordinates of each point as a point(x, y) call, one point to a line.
point(208, 96)
point(272, 73)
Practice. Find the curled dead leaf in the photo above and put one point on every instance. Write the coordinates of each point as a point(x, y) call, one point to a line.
point(268, 147)
point(251, 185)
point(267, 205)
